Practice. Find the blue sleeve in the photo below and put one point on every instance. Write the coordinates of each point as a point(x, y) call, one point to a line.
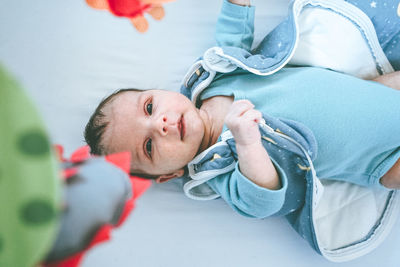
point(246, 197)
point(235, 26)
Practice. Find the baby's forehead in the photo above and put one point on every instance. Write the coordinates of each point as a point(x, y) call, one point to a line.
point(125, 97)
point(119, 113)
point(121, 105)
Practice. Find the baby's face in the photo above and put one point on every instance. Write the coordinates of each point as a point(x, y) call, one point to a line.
point(162, 129)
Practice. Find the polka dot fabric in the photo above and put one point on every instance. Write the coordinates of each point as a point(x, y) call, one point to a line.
point(29, 184)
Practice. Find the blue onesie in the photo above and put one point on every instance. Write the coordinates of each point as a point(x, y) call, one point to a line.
point(319, 124)
point(356, 123)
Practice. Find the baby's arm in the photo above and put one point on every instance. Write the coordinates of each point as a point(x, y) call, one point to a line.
point(391, 80)
point(235, 24)
point(254, 161)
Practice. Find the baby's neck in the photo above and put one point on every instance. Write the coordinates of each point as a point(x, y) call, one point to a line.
point(216, 107)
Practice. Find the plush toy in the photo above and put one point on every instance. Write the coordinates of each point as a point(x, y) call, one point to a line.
point(132, 9)
point(54, 209)
point(98, 196)
point(30, 186)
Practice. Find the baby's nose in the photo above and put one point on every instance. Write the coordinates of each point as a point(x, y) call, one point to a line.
point(164, 124)
point(167, 124)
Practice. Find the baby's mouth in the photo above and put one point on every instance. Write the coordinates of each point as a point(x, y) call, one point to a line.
point(182, 127)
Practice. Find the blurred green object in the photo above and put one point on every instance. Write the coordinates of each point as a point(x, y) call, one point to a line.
point(30, 187)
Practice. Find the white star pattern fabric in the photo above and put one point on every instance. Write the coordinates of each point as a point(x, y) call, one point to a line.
point(387, 26)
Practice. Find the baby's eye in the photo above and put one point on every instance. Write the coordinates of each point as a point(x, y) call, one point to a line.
point(148, 147)
point(149, 108)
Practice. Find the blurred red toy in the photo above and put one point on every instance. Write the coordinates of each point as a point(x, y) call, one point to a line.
point(134, 10)
point(99, 195)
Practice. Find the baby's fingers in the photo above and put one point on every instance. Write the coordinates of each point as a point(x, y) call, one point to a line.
point(252, 115)
point(239, 107)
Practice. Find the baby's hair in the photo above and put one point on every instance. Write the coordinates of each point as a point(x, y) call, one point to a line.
point(98, 123)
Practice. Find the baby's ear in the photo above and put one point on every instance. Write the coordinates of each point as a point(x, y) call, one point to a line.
point(166, 177)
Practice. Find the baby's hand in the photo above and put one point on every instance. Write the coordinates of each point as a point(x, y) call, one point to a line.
point(242, 119)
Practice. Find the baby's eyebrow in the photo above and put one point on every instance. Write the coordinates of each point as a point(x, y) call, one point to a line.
point(139, 103)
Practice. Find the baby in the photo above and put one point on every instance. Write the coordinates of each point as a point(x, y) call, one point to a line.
point(356, 124)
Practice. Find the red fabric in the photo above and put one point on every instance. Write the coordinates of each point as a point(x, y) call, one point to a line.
point(59, 152)
point(80, 154)
point(67, 173)
point(127, 8)
point(139, 185)
point(121, 160)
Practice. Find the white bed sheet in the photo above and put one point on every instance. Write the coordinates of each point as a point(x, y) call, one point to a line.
point(69, 56)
